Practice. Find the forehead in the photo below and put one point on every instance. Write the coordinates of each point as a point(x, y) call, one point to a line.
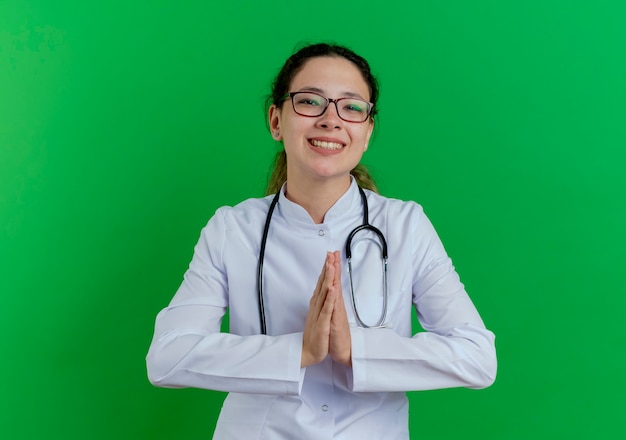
point(333, 75)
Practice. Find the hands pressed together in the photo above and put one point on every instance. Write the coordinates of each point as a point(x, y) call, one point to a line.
point(326, 330)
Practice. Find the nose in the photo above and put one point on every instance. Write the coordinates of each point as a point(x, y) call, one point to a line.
point(330, 118)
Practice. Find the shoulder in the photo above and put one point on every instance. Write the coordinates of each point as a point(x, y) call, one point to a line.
point(248, 212)
point(405, 224)
point(247, 209)
point(242, 222)
point(394, 209)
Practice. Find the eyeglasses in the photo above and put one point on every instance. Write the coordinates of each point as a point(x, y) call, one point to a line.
point(311, 104)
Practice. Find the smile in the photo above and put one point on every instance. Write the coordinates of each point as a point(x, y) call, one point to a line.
point(326, 145)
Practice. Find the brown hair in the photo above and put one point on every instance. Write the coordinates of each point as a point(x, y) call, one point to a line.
point(280, 88)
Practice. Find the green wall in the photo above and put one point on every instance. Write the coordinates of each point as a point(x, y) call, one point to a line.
point(125, 124)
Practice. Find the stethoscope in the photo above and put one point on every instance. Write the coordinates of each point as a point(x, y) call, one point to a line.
point(365, 226)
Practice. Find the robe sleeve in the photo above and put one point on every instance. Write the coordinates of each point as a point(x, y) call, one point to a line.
point(188, 349)
point(455, 350)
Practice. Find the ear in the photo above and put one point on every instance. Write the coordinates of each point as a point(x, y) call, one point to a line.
point(369, 134)
point(273, 116)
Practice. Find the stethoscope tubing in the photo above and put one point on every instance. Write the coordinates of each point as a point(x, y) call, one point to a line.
point(367, 226)
point(266, 229)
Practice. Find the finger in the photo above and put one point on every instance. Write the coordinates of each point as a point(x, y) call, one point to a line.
point(321, 304)
point(330, 276)
point(340, 309)
point(326, 293)
point(329, 305)
point(320, 283)
point(337, 280)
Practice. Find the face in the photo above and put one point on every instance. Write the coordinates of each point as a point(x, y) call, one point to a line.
point(323, 147)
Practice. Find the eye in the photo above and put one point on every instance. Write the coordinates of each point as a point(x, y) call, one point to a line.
point(309, 100)
point(355, 107)
point(306, 101)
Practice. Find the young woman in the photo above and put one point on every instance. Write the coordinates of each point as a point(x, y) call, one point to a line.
point(320, 343)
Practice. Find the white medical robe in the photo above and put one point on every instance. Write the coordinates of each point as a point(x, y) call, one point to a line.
point(270, 396)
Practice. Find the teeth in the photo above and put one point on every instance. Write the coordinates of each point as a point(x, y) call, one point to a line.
point(327, 145)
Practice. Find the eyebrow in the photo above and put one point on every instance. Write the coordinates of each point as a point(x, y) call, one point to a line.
point(321, 92)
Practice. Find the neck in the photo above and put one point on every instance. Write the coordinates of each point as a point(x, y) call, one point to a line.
point(317, 198)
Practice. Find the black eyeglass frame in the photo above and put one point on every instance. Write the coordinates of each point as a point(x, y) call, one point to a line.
point(328, 101)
